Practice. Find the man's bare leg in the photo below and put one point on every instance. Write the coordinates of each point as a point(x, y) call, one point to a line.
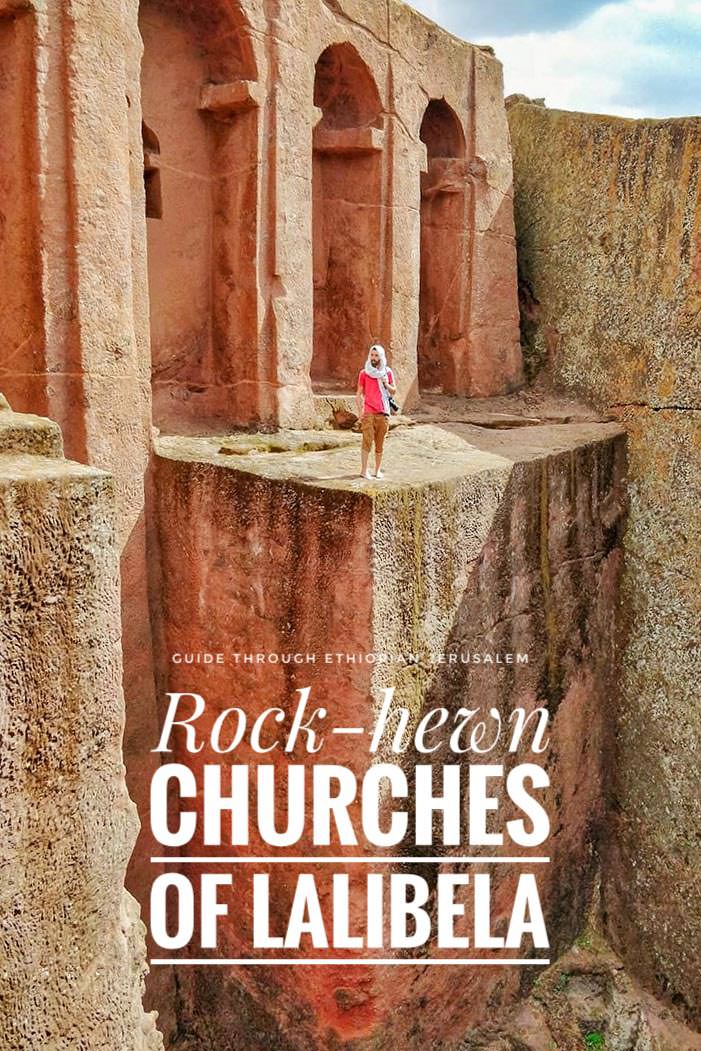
point(380, 437)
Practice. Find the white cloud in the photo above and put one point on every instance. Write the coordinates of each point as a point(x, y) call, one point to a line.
point(474, 18)
point(633, 58)
point(583, 67)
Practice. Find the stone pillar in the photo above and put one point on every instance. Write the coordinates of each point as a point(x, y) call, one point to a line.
point(94, 373)
point(287, 214)
point(406, 159)
point(108, 273)
point(21, 319)
point(495, 362)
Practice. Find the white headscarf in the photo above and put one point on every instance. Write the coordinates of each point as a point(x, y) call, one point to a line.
point(379, 373)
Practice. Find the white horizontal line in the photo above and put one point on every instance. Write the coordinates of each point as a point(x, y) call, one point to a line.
point(348, 730)
point(374, 962)
point(324, 860)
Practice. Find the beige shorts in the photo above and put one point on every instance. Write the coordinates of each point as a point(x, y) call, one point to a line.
point(374, 427)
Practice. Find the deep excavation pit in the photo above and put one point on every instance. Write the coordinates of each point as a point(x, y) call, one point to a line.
point(477, 539)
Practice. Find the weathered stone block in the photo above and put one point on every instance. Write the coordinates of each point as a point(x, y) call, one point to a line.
point(227, 99)
point(348, 140)
point(71, 940)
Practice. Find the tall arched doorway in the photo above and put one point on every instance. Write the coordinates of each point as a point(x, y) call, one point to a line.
point(347, 217)
point(200, 171)
point(445, 237)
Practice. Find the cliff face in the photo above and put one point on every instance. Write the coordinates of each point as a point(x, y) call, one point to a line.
point(608, 215)
point(71, 941)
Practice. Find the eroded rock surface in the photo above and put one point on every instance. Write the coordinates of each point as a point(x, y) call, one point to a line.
point(586, 1002)
point(71, 941)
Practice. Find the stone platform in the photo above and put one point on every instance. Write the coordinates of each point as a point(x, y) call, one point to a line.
point(496, 530)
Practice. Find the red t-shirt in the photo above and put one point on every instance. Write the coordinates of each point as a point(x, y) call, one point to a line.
point(371, 389)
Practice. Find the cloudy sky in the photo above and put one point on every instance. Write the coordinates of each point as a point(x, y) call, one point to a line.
point(636, 58)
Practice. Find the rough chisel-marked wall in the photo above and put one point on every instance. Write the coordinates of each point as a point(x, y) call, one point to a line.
point(523, 556)
point(609, 219)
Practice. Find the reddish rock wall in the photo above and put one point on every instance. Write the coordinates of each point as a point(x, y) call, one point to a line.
point(314, 253)
point(251, 566)
point(609, 213)
point(201, 204)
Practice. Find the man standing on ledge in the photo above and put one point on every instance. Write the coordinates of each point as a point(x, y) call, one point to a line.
point(375, 388)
